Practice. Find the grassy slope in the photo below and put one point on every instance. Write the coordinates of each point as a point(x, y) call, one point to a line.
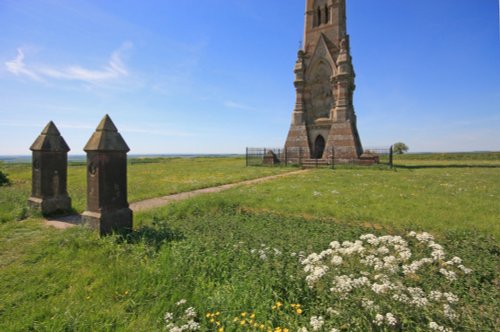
point(146, 179)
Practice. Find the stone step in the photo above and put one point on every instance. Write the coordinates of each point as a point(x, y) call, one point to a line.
point(313, 163)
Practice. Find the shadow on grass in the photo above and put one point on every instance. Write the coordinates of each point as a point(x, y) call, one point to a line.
point(155, 236)
point(444, 166)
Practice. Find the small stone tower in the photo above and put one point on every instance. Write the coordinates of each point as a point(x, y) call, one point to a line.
point(323, 118)
point(107, 205)
point(49, 172)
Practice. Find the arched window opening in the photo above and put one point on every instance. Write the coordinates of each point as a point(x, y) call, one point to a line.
point(319, 16)
point(327, 15)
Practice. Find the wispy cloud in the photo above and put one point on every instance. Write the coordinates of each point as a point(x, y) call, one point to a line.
point(240, 106)
point(18, 68)
point(114, 69)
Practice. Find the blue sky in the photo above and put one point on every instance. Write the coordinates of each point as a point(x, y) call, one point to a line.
point(215, 76)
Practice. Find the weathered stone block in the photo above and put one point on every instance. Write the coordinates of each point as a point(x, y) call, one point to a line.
point(49, 172)
point(107, 204)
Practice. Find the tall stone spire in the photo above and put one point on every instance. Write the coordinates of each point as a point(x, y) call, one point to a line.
point(323, 121)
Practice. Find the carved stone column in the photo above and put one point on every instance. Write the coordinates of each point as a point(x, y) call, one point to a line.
point(107, 205)
point(49, 172)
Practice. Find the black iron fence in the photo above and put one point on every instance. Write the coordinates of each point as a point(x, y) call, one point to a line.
point(301, 157)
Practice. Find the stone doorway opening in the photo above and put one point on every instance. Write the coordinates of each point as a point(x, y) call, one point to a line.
point(319, 147)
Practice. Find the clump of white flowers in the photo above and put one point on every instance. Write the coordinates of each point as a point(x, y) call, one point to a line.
point(185, 322)
point(317, 322)
point(384, 272)
point(264, 252)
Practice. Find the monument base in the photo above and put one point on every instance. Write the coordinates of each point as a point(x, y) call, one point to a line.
point(297, 144)
point(108, 222)
point(344, 138)
point(50, 205)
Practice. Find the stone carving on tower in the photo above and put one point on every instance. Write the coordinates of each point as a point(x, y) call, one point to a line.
point(323, 119)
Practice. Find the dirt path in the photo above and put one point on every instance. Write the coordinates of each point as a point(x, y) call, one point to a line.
point(74, 220)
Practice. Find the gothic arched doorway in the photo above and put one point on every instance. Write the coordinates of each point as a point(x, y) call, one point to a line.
point(319, 147)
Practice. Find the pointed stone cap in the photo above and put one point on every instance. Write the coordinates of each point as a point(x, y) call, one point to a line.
point(50, 140)
point(106, 138)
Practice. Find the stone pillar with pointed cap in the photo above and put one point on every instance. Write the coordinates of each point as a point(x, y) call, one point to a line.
point(49, 172)
point(107, 205)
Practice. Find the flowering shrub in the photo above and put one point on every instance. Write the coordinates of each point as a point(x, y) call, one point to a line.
point(389, 277)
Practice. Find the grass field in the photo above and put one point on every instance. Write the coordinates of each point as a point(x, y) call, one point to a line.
point(147, 178)
point(261, 258)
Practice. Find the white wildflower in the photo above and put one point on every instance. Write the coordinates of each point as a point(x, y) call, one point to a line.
point(451, 298)
point(464, 269)
point(190, 313)
point(390, 319)
point(168, 317)
point(332, 312)
point(336, 260)
point(317, 323)
point(450, 275)
point(435, 295)
point(181, 302)
point(449, 312)
point(302, 329)
point(436, 327)
point(335, 245)
point(367, 304)
point(424, 237)
point(379, 320)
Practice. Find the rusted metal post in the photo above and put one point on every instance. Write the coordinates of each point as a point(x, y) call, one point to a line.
point(391, 150)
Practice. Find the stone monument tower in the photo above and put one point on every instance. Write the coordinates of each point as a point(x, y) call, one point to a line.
point(323, 118)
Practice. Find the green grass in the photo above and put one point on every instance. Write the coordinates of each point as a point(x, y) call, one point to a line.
point(433, 199)
point(72, 280)
point(206, 250)
point(147, 178)
point(463, 156)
